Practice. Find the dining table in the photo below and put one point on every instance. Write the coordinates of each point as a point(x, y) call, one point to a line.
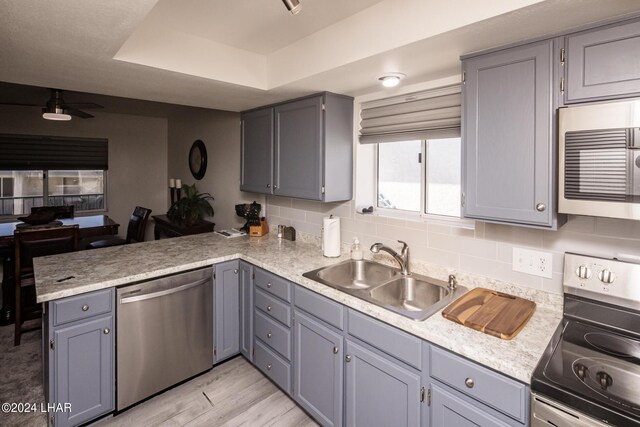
point(89, 226)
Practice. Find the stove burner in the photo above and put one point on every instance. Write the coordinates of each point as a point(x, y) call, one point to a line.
point(614, 344)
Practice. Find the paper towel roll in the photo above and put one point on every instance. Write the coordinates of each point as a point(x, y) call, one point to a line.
point(331, 237)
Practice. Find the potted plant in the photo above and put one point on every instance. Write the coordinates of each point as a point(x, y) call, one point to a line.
point(191, 208)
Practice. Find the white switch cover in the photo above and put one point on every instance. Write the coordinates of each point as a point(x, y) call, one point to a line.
point(537, 263)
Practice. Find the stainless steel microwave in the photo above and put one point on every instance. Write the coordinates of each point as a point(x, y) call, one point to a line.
point(599, 160)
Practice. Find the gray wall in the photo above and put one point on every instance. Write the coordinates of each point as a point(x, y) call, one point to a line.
point(220, 132)
point(137, 154)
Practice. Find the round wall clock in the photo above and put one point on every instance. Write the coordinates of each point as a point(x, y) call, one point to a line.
point(198, 159)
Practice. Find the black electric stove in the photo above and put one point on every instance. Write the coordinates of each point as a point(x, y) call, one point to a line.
point(592, 364)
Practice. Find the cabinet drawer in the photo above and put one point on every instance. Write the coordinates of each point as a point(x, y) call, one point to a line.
point(321, 307)
point(273, 284)
point(82, 306)
point(392, 341)
point(273, 307)
point(273, 366)
point(491, 388)
point(273, 334)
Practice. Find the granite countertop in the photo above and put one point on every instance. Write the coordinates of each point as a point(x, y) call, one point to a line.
point(99, 269)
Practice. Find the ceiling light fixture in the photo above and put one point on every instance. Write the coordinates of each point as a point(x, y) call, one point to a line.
point(293, 6)
point(55, 113)
point(391, 79)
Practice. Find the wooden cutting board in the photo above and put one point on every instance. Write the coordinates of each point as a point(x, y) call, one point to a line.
point(491, 312)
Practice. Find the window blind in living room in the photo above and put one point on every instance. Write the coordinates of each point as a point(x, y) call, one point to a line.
point(429, 114)
point(35, 152)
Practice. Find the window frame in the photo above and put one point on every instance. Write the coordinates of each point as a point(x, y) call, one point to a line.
point(422, 214)
point(45, 196)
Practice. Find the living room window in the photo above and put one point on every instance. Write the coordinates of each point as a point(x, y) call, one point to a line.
point(52, 171)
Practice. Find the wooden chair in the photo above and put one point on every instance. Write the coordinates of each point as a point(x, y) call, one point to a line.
point(30, 244)
point(135, 231)
point(63, 211)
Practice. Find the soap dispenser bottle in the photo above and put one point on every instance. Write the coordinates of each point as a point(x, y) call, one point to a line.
point(356, 251)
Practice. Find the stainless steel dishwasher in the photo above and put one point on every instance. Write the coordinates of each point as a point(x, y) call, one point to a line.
point(164, 333)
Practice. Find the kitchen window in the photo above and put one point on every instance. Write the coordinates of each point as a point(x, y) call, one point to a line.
point(51, 171)
point(420, 176)
point(410, 146)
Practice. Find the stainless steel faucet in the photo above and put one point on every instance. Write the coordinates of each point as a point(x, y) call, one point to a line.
point(402, 258)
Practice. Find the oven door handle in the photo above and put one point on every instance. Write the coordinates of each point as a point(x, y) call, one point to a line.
point(165, 292)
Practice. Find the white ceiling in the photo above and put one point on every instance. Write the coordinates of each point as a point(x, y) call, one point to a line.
point(235, 55)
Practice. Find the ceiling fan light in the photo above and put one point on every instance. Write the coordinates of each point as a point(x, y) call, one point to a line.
point(58, 114)
point(293, 6)
point(391, 79)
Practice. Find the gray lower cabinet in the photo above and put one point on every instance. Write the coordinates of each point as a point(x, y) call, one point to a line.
point(450, 410)
point(318, 370)
point(80, 357)
point(602, 63)
point(256, 168)
point(379, 392)
point(226, 310)
point(245, 288)
point(301, 148)
point(508, 142)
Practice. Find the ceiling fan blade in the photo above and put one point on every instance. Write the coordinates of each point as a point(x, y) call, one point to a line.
point(82, 105)
point(79, 113)
point(18, 104)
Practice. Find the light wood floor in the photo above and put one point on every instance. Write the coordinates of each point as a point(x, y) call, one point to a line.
point(232, 394)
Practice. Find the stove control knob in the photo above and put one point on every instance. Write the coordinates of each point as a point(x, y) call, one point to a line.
point(606, 276)
point(583, 272)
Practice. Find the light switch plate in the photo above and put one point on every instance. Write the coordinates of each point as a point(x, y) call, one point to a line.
point(537, 263)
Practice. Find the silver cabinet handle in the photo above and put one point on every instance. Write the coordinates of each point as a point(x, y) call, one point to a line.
point(469, 382)
point(269, 335)
point(85, 307)
point(269, 285)
point(268, 185)
point(347, 358)
point(540, 207)
point(268, 308)
point(269, 367)
point(275, 186)
point(335, 350)
point(106, 331)
point(235, 271)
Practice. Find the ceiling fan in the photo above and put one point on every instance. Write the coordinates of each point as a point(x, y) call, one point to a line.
point(57, 109)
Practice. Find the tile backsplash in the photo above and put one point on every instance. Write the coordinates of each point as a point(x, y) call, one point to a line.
point(485, 251)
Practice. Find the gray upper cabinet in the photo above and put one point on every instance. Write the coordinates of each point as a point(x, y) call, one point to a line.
point(305, 152)
point(256, 173)
point(246, 309)
point(298, 149)
point(80, 357)
point(227, 310)
point(318, 364)
point(509, 149)
point(379, 392)
point(603, 63)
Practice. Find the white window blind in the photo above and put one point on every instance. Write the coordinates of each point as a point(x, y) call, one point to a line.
point(430, 114)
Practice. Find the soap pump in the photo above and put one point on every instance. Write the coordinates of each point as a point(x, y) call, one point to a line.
point(356, 251)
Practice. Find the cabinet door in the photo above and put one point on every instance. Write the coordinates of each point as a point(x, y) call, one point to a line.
point(256, 168)
point(450, 410)
point(379, 392)
point(318, 370)
point(298, 149)
point(507, 136)
point(84, 370)
point(246, 309)
point(603, 63)
point(227, 310)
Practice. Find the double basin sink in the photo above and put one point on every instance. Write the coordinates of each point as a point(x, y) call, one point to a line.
point(412, 295)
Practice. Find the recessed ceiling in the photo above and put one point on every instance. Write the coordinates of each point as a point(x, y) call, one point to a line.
point(235, 55)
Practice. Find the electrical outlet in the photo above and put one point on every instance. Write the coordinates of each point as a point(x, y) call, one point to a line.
point(537, 263)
